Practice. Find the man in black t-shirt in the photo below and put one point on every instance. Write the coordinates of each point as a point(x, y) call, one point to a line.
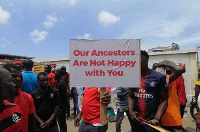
point(45, 100)
point(149, 101)
point(62, 100)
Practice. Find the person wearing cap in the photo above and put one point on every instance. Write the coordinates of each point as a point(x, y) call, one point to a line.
point(18, 64)
point(181, 91)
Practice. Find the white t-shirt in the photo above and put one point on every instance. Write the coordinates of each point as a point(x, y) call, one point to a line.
point(198, 101)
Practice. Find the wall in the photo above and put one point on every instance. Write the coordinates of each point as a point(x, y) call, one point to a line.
point(62, 63)
point(189, 59)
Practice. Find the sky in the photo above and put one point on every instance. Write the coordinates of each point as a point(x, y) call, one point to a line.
point(42, 29)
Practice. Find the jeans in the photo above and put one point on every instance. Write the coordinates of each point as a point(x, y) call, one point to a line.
point(198, 130)
point(62, 120)
point(120, 116)
point(84, 127)
point(75, 101)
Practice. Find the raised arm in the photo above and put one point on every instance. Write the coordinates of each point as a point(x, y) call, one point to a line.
point(161, 108)
point(176, 70)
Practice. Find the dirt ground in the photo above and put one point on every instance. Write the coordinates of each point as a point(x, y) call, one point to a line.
point(189, 124)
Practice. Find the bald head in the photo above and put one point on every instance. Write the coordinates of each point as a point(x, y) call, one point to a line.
point(6, 85)
point(3, 72)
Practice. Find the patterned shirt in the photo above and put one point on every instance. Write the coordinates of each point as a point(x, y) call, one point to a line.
point(147, 96)
point(10, 118)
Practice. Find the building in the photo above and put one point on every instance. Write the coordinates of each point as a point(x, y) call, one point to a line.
point(6, 58)
point(160, 49)
point(188, 57)
point(57, 62)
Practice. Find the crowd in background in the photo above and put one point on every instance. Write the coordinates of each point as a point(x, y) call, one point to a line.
point(31, 102)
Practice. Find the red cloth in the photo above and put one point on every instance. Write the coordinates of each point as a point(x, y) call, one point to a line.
point(91, 105)
point(26, 104)
point(18, 63)
point(181, 90)
point(51, 79)
point(6, 117)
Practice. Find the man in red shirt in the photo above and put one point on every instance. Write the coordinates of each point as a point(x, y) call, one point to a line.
point(91, 110)
point(22, 99)
point(181, 91)
point(50, 75)
point(10, 114)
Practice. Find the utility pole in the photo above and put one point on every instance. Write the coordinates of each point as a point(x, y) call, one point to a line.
point(198, 48)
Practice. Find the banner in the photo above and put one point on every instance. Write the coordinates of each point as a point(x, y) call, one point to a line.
point(37, 69)
point(105, 63)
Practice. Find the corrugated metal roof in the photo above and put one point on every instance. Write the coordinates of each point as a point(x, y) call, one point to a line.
point(174, 52)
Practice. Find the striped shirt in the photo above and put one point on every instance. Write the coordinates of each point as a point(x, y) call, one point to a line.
point(122, 102)
point(10, 118)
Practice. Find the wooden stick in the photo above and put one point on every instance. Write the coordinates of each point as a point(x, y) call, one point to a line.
point(155, 127)
point(103, 114)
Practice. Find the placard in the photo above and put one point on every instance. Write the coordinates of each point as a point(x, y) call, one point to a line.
point(105, 63)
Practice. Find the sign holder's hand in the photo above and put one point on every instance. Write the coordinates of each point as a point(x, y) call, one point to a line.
point(103, 113)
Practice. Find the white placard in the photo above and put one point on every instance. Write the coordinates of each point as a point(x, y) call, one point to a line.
point(105, 63)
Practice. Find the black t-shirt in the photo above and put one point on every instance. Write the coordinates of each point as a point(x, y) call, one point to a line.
point(62, 94)
point(45, 103)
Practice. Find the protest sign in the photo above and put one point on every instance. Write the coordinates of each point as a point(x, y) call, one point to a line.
point(105, 63)
point(38, 68)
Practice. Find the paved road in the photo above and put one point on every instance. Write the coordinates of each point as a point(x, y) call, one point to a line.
point(189, 124)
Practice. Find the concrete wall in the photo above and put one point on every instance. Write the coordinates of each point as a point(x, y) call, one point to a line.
point(189, 59)
point(58, 62)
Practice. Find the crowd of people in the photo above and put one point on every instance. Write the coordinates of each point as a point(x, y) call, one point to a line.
point(41, 103)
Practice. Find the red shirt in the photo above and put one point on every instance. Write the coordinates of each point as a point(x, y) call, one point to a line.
point(51, 79)
point(26, 104)
point(91, 105)
point(181, 90)
point(172, 116)
point(10, 118)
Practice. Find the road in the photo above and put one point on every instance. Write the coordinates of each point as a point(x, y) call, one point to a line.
point(189, 124)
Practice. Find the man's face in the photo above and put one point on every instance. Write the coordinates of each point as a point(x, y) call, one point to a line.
point(43, 81)
point(20, 66)
point(7, 86)
point(16, 78)
point(56, 75)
